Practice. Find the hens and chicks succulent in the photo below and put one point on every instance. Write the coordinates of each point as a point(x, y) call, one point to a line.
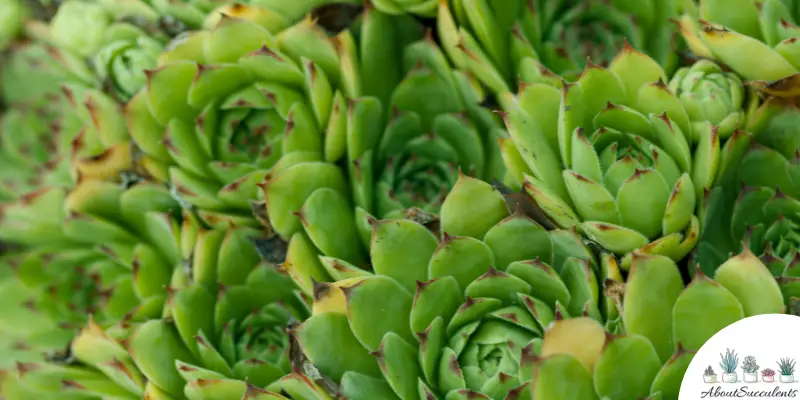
point(390, 199)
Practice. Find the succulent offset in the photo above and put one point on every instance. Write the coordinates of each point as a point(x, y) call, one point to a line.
point(611, 154)
point(765, 30)
point(710, 94)
point(391, 199)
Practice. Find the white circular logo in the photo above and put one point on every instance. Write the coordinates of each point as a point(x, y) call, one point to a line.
point(757, 357)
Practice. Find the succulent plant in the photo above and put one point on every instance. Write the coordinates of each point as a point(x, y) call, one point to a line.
point(710, 94)
point(468, 293)
point(752, 203)
point(49, 280)
point(214, 120)
point(729, 361)
point(610, 154)
point(107, 246)
point(575, 31)
point(39, 124)
point(309, 199)
point(143, 247)
point(97, 252)
point(765, 30)
point(786, 366)
point(238, 341)
point(118, 42)
point(500, 44)
point(384, 166)
point(581, 361)
point(452, 276)
point(41, 335)
point(749, 365)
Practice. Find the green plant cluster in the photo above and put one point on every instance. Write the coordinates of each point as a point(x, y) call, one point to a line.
point(391, 199)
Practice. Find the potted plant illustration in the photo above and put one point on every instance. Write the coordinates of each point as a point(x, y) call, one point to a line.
point(730, 360)
point(709, 376)
point(786, 366)
point(750, 369)
point(767, 375)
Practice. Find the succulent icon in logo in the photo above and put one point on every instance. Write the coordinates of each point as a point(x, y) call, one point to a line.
point(729, 362)
point(709, 376)
point(750, 368)
point(786, 366)
point(768, 375)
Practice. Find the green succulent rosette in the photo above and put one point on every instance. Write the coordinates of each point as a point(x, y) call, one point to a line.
point(93, 251)
point(580, 360)
point(129, 244)
point(755, 201)
point(38, 124)
point(187, 355)
point(501, 44)
point(117, 39)
point(58, 127)
point(765, 30)
point(602, 30)
point(208, 147)
point(474, 312)
point(30, 333)
point(455, 316)
point(214, 119)
point(384, 165)
point(66, 276)
point(238, 343)
point(122, 39)
point(710, 94)
point(611, 155)
point(81, 137)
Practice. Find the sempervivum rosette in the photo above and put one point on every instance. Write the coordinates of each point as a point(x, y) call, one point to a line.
point(611, 155)
point(407, 159)
point(756, 201)
point(57, 131)
point(710, 94)
point(118, 39)
point(574, 31)
point(94, 249)
point(766, 31)
point(89, 260)
point(473, 314)
point(38, 125)
point(50, 284)
point(225, 340)
point(500, 44)
point(454, 316)
point(214, 117)
point(579, 360)
point(131, 244)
